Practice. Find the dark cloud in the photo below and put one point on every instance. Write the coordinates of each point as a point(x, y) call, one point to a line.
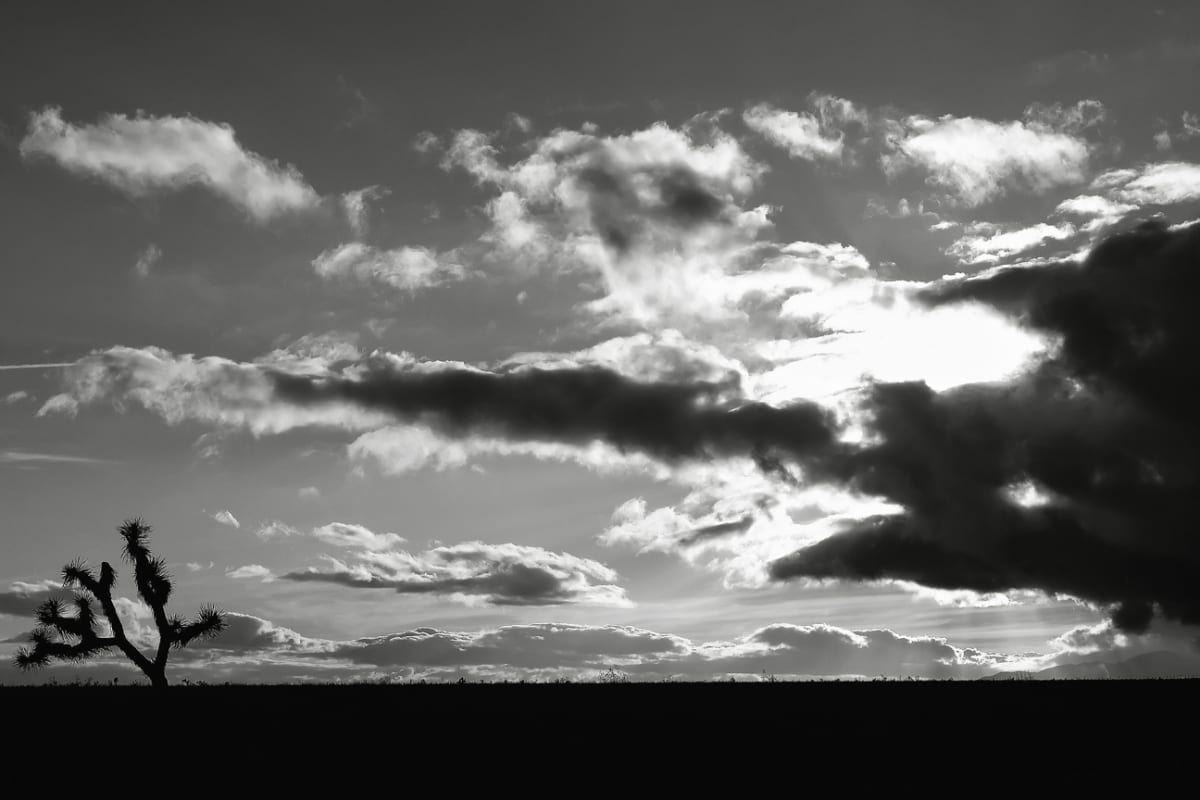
point(668, 421)
point(623, 215)
point(509, 584)
point(21, 600)
point(246, 633)
point(498, 574)
point(1104, 432)
point(716, 530)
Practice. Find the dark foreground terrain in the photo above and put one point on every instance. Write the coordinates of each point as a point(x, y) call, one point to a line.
point(580, 739)
point(995, 705)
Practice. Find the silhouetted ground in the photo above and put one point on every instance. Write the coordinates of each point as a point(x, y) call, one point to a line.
point(588, 738)
point(835, 704)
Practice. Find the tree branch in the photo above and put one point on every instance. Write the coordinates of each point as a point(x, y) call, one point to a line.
point(46, 649)
point(207, 624)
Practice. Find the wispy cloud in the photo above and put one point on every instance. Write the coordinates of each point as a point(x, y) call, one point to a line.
point(144, 153)
point(32, 458)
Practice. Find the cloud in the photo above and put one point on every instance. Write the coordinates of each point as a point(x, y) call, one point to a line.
point(824, 650)
point(253, 649)
point(308, 493)
point(314, 352)
point(1165, 183)
point(226, 518)
point(62, 403)
point(985, 243)
point(426, 142)
point(1103, 432)
point(557, 649)
point(274, 529)
point(799, 133)
point(668, 421)
point(398, 449)
point(473, 572)
point(12, 398)
point(213, 390)
point(538, 646)
point(1073, 119)
point(655, 214)
point(245, 633)
point(146, 261)
point(1102, 211)
point(356, 206)
point(1190, 125)
point(409, 269)
point(141, 154)
point(22, 598)
point(736, 521)
point(250, 571)
point(343, 534)
point(978, 160)
point(24, 457)
point(779, 650)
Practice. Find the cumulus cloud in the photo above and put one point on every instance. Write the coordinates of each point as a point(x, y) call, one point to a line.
point(245, 633)
point(824, 650)
point(472, 572)
point(226, 518)
point(1165, 183)
point(249, 572)
point(255, 649)
point(977, 160)
point(556, 649)
point(655, 214)
point(406, 268)
point(141, 154)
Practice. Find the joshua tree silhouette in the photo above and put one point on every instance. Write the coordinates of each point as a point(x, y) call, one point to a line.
point(75, 638)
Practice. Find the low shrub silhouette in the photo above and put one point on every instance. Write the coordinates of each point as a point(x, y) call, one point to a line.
point(77, 637)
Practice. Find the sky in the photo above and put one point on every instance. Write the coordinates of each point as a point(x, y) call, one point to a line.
point(534, 339)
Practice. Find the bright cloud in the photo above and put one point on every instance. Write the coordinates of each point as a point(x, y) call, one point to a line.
point(406, 268)
point(470, 572)
point(977, 160)
point(142, 153)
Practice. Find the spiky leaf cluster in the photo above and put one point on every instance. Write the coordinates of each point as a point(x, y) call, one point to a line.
point(76, 636)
